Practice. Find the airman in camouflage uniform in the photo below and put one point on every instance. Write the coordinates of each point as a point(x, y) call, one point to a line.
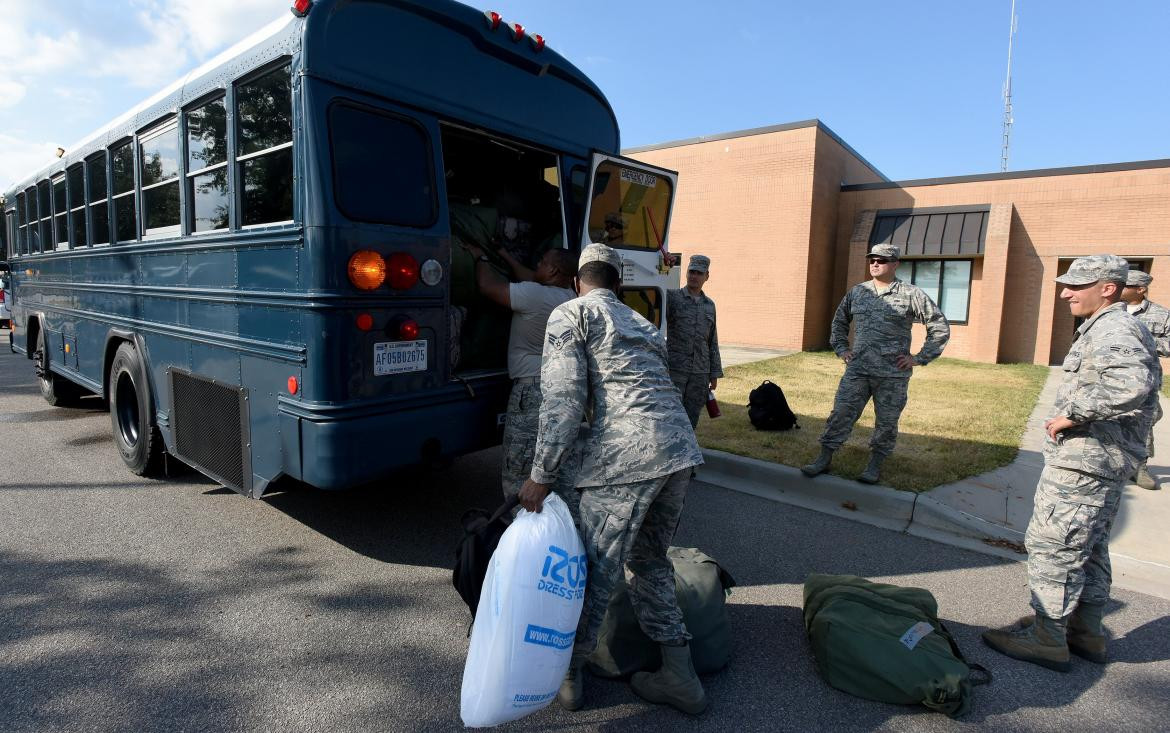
point(606, 364)
point(879, 364)
point(692, 342)
point(1156, 319)
point(1096, 437)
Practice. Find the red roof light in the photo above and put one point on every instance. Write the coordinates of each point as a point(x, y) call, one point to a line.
point(300, 8)
point(537, 41)
point(493, 19)
point(517, 32)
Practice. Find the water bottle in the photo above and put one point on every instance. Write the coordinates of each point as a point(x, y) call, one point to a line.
point(712, 405)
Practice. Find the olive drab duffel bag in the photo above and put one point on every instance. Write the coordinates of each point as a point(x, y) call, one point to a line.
point(701, 586)
point(885, 643)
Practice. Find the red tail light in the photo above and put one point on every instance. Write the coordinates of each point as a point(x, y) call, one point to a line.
point(365, 322)
point(408, 330)
point(402, 271)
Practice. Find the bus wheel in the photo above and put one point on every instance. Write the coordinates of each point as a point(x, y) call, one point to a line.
point(135, 432)
point(57, 390)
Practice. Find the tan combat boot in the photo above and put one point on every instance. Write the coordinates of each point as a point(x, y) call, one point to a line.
point(1086, 634)
point(1038, 640)
point(675, 684)
point(571, 694)
point(873, 472)
point(1143, 479)
point(820, 465)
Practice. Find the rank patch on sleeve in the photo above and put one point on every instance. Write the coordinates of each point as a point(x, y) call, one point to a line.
point(558, 341)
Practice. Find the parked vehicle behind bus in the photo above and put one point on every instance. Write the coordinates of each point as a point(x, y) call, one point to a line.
point(259, 267)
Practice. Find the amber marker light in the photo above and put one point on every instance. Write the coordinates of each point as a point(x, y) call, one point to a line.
point(367, 269)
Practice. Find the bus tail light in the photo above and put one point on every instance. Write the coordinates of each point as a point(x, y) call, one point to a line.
point(408, 330)
point(493, 19)
point(365, 321)
point(300, 8)
point(403, 271)
point(367, 269)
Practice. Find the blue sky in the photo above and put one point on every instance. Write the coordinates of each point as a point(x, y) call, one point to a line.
point(913, 85)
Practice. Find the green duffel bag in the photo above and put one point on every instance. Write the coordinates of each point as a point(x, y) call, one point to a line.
point(701, 587)
point(885, 642)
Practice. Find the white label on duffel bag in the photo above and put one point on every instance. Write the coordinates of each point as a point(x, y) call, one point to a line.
point(915, 634)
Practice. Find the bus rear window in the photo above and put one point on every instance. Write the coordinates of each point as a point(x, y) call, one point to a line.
point(382, 169)
point(630, 207)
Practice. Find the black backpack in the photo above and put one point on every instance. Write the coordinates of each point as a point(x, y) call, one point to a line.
point(768, 410)
point(482, 532)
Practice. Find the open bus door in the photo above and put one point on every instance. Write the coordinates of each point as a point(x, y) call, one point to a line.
point(629, 209)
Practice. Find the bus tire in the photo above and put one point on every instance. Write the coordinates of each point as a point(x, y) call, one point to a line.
point(132, 414)
point(57, 390)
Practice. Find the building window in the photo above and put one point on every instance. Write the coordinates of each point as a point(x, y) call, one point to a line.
point(98, 206)
point(264, 158)
point(947, 282)
point(207, 168)
point(932, 231)
point(77, 229)
point(159, 149)
point(125, 217)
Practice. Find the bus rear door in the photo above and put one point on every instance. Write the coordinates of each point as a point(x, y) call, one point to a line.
point(629, 209)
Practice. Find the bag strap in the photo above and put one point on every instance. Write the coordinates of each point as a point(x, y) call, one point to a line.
point(505, 508)
point(980, 675)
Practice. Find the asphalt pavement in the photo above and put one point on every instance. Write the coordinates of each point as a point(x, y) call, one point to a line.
point(144, 605)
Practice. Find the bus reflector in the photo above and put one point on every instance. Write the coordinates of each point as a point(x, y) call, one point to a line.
point(517, 32)
point(365, 321)
point(493, 19)
point(408, 330)
point(292, 385)
point(403, 271)
point(300, 8)
point(367, 270)
point(431, 273)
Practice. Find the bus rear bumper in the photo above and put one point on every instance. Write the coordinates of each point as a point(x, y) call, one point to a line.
point(339, 451)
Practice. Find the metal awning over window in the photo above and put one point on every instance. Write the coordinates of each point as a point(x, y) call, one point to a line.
point(932, 232)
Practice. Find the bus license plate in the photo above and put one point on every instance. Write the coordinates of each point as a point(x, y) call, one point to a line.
point(399, 357)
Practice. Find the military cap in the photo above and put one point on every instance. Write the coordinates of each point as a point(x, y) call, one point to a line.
point(702, 263)
point(615, 218)
point(1138, 279)
point(889, 251)
point(1087, 270)
point(600, 253)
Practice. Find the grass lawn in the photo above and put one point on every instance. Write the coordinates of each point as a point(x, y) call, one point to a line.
point(963, 418)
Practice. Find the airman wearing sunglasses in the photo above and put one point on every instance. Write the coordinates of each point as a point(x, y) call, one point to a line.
point(879, 362)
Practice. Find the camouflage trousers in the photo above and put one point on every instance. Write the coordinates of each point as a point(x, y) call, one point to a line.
point(1150, 436)
point(854, 391)
point(632, 525)
point(694, 388)
point(1068, 540)
point(519, 445)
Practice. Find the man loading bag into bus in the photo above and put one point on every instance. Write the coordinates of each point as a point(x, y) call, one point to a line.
point(530, 300)
point(605, 362)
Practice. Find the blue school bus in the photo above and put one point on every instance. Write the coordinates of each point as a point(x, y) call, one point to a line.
point(260, 267)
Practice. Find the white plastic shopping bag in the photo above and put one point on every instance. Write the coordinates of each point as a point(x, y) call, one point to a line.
point(527, 618)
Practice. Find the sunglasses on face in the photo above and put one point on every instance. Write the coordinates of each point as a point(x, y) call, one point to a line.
point(880, 261)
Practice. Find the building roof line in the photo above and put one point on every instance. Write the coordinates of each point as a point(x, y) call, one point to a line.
point(1034, 173)
point(759, 131)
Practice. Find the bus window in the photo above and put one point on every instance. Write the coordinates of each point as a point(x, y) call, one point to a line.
point(207, 185)
point(629, 206)
point(264, 111)
point(77, 229)
point(45, 210)
point(381, 168)
point(125, 217)
point(98, 207)
point(159, 153)
point(21, 226)
point(646, 301)
point(60, 213)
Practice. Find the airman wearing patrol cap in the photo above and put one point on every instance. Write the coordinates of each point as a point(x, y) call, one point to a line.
point(692, 339)
point(1095, 438)
point(1156, 319)
point(603, 361)
point(879, 363)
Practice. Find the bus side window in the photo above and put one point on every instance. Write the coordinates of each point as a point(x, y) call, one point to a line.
point(159, 149)
point(78, 234)
point(21, 246)
point(264, 148)
point(125, 217)
point(207, 169)
point(98, 206)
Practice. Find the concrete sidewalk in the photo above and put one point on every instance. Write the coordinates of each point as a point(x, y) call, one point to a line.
point(987, 513)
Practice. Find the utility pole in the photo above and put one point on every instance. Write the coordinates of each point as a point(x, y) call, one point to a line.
point(1007, 96)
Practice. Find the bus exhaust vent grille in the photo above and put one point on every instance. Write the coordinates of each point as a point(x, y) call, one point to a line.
point(210, 422)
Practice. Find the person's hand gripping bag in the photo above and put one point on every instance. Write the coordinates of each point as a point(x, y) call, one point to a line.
point(527, 618)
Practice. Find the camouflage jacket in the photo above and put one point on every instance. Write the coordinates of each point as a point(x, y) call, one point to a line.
point(605, 363)
point(882, 327)
point(1156, 319)
point(1111, 383)
point(692, 342)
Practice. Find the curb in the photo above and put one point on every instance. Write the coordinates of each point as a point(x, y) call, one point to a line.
point(902, 511)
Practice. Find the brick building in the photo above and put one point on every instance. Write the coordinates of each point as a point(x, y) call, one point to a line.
point(788, 212)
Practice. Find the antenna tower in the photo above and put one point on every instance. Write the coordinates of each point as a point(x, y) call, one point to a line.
point(1007, 95)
